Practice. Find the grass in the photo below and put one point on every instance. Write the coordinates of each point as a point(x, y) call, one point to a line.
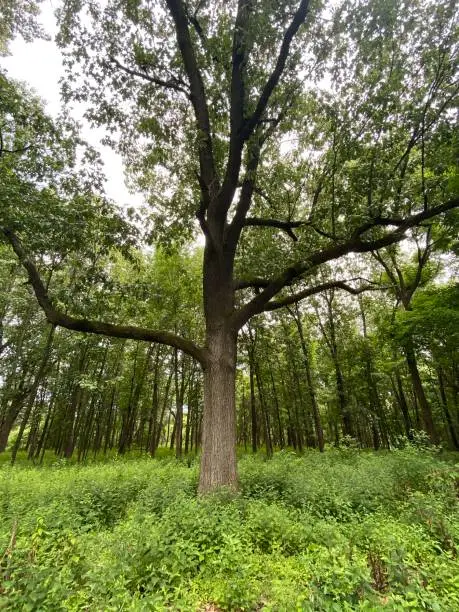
point(346, 530)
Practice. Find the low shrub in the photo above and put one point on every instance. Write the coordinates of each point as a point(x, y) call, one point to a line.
point(343, 530)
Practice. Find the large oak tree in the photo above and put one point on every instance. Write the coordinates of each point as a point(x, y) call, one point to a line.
point(295, 132)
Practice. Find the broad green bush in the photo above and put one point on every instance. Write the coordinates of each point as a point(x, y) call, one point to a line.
point(343, 530)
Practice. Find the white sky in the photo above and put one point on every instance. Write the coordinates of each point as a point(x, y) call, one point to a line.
point(39, 65)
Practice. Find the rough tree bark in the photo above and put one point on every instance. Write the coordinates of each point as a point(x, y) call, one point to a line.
point(218, 463)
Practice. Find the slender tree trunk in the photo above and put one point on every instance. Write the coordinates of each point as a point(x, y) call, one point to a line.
point(281, 440)
point(244, 419)
point(158, 427)
point(197, 430)
point(154, 405)
point(419, 392)
point(189, 417)
point(330, 338)
point(173, 435)
point(179, 397)
point(400, 395)
point(190, 413)
point(264, 412)
point(348, 429)
point(444, 402)
point(11, 409)
point(70, 420)
point(310, 382)
point(41, 445)
point(126, 421)
point(35, 419)
point(5, 429)
point(378, 420)
point(33, 391)
point(253, 406)
point(296, 398)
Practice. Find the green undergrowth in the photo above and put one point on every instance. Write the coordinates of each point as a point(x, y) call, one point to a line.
point(345, 530)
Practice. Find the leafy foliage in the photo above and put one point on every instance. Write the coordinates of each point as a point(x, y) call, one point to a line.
point(19, 17)
point(341, 531)
point(51, 181)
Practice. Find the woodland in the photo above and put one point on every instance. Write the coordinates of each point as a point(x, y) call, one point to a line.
point(243, 393)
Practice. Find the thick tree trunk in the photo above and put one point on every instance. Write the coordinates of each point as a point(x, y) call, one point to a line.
point(218, 460)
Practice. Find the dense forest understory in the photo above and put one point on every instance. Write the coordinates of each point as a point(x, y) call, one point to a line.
point(343, 530)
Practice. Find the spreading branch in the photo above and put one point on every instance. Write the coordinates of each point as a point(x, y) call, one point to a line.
point(285, 226)
point(170, 84)
point(301, 295)
point(354, 245)
point(243, 129)
point(57, 318)
point(297, 21)
point(198, 98)
point(261, 283)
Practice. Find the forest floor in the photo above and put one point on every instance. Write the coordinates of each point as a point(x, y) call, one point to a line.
point(345, 530)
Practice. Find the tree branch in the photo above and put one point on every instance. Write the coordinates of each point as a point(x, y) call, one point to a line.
point(297, 21)
point(198, 98)
point(245, 199)
point(387, 269)
point(237, 109)
point(248, 186)
point(171, 84)
point(353, 245)
point(309, 223)
point(253, 283)
point(194, 21)
point(301, 295)
point(286, 226)
point(378, 222)
point(60, 319)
